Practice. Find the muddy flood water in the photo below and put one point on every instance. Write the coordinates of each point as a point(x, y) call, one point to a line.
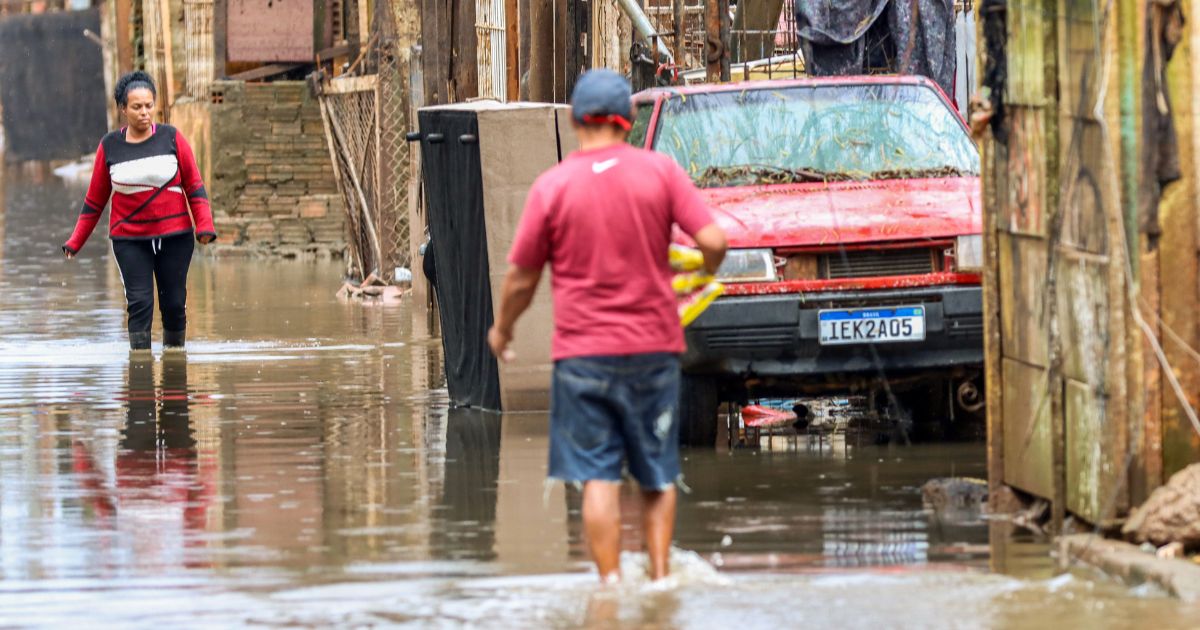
point(299, 467)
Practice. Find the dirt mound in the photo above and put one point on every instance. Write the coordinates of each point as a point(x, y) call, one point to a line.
point(1171, 514)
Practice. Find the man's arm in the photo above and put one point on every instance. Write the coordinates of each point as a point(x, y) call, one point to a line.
point(520, 284)
point(710, 240)
point(691, 213)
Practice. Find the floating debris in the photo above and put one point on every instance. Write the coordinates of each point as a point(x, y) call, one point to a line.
point(372, 287)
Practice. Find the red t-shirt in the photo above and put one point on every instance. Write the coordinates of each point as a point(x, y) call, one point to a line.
point(603, 221)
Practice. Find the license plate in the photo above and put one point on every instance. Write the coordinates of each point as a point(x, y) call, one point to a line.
point(872, 325)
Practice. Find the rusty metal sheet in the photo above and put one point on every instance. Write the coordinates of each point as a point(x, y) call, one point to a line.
point(270, 30)
point(1028, 463)
point(1023, 269)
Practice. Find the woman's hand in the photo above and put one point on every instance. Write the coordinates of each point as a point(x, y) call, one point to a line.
point(68, 253)
point(205, 239)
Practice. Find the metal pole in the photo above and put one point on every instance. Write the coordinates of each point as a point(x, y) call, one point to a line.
point(642, 25)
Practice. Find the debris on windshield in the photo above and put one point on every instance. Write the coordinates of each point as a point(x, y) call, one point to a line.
point(921, 173)
point(745, 175)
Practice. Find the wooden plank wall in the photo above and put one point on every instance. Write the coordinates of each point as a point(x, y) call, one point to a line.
point(448, 43)
point(1079, 412)
point(1180, 289)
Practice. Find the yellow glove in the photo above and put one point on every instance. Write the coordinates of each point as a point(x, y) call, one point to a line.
point(685, 258)
point(686, 283)
point(698, 302)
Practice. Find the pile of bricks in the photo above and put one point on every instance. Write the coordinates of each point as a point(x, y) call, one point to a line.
point(273, 186)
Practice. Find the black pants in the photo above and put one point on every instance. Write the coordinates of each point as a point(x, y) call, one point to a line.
point(163, 261)
point(158, 418)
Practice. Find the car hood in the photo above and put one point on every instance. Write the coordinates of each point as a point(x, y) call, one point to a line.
point(817, 214)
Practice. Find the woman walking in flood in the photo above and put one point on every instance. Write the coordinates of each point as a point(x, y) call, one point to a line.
point(158, 205)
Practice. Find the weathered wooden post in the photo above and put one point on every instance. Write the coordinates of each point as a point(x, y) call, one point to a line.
point(716, 33)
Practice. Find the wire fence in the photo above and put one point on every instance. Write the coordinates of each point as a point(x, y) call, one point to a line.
point(395, 153)
point(366, 117)
point(348, 109)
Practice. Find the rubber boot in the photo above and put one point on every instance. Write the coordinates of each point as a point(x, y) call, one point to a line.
point(174, 339)
point(139, 340)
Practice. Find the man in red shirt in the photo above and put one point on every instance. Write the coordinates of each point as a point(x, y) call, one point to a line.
point(603, 220)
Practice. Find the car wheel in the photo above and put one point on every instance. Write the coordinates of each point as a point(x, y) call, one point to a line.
point(698, 403)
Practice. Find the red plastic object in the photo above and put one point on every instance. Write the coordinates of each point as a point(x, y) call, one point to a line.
point(757, 416)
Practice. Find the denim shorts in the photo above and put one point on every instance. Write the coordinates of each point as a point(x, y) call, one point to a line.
point(608, 412)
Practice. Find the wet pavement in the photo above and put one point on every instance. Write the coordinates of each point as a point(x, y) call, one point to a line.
point(299, 466)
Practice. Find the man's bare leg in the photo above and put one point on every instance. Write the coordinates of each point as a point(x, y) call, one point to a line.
point(602, 524)
point(658, 522)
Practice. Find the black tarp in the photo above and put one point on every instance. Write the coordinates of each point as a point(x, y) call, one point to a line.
point(995, 72)
point(847, 37)
point(454, 193)
point(51, 85)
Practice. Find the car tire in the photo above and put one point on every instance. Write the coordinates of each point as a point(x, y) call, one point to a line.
point(698, 404)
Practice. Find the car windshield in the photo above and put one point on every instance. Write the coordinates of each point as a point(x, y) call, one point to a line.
point(811, 133)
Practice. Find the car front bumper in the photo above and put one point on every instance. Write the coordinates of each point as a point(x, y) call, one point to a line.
point(777, 335)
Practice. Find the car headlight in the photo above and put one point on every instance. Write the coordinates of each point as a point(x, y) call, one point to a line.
point(748, 265)
point(968, 253)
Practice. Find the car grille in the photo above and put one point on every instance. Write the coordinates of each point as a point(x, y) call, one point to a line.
point(873, 264)
point(752, 338)
point(964, 327)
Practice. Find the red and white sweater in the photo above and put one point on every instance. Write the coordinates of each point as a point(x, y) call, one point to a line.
point(132, 173)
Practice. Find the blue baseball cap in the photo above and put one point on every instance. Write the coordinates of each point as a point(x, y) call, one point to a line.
point(602, 97)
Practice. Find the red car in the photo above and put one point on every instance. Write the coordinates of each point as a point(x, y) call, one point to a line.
point(852, 210)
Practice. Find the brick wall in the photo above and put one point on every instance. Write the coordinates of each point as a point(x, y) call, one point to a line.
point(262, 149)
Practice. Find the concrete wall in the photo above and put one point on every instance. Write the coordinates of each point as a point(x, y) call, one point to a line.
point(262, 150)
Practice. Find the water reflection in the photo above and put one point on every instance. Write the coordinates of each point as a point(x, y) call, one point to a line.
point(160, 493)
point(467, 501)
point(299, 466)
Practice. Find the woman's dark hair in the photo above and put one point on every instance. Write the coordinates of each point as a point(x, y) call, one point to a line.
point(133, 81)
